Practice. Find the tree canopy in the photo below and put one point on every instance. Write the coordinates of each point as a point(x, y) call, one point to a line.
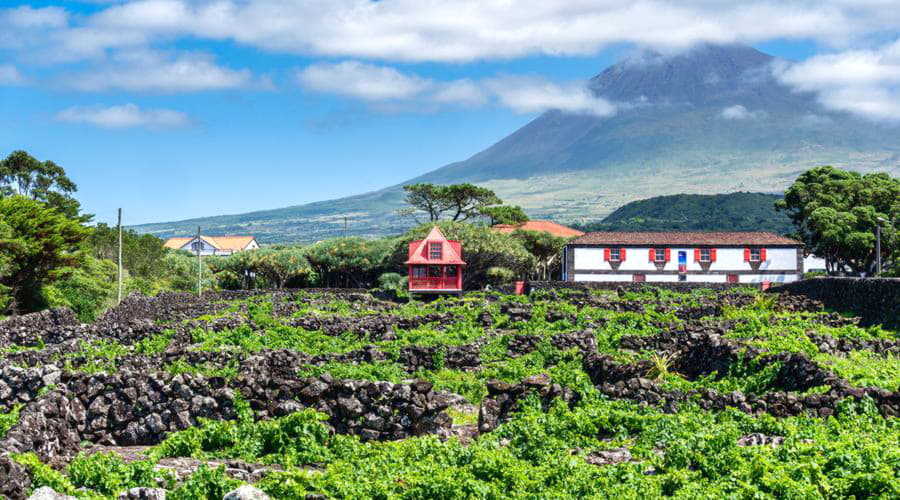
point(546, 248)
point(37, 243)
point(45, 181)
point(837, 212)
point(459, 201)
point(504, 214)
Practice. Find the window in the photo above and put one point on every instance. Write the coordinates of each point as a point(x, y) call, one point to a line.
point(659, 255)
point(754, 255)
point(704, 255)
point(435, 252)
point(418, 271)
point(614, 254)
point(450, 271)
point(197, 246)
point(682, 277)
point(434, 271)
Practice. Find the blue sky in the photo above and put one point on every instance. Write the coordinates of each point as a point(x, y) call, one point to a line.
point(175, 109)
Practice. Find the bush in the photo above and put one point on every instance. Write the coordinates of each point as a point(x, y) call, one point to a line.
point(498, 276)
point(87, 290)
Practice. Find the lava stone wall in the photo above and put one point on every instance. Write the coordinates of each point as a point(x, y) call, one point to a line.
point(875, 300)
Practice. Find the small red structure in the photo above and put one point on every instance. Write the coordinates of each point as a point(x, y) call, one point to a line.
point(435, 264)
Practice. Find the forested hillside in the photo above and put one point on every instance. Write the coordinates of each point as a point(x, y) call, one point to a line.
point(696, 212)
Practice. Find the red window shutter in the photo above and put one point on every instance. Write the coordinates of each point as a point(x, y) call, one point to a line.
point(652, 254)
point(622, 255)
point(696, 255)
point(746, 255)
point(762, 254)
point(712, 254)
point(668, 254)
point(606, 254)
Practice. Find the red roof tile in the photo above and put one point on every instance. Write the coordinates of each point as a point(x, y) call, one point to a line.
point(683, 238)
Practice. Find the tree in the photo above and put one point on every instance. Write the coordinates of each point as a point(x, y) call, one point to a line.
point(546, 249)
point(482, 248)
point(504, 214)
point(463, 201)
point(39, 244)
point(428, 198)
point(142, 254)
point(836, 213)
point(45, 181)
point(467, 200)
point(350, 262)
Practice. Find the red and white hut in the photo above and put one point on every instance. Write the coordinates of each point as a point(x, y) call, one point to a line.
point(435, 264)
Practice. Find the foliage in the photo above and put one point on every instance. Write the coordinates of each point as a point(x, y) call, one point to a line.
point(9, 419)
point(38, 245)
point(836, 213)
point(504, 214)
point(88, 290)
point(270, 267)
point(697, 212)
point(143, 255)
point(350, 262)
point(107, 474)
point(44, 181)
point(205, 482)
point(181, 274)
point(483, 249)
point(462, 201)
point(546, 249)
point(499, 276)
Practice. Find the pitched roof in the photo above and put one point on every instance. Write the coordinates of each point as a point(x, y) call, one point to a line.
point(225, 243)
point(233, 243)
point(683, 238)
point(540, 225)
point(451, 250)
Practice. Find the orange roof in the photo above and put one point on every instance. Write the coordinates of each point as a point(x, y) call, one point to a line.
point(543, 226)
point(451, 252)
point(233, 243)
point(176, 243)
point(225, 243)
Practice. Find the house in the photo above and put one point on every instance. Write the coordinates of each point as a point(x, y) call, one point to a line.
point(706, 257)
point(435, 264)
point(544, 226)
point(213, 245)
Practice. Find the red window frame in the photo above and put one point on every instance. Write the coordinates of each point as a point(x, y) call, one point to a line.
point(435, 251)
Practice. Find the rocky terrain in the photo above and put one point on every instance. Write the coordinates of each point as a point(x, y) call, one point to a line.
point(293, 393)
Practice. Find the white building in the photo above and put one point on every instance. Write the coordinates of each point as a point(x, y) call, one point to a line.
point(213, 245)
point(720, 257)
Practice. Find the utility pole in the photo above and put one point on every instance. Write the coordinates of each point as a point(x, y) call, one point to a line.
point(199, 246)
point(878, 250)
point(119, 296)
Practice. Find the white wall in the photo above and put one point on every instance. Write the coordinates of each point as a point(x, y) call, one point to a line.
point(772, 278)
point(603, 277)
point(727, 259)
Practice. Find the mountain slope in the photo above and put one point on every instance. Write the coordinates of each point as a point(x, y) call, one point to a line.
point(711, 120)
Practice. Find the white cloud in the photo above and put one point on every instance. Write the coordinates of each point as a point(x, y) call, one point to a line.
point(863, 82)
point(373, 83)
point(739, 112)
point(468, 30)
point(28, 17)
point(531, 94)
point(360, 80)
point(147, 71)
point(10, 75)
point(124, 116)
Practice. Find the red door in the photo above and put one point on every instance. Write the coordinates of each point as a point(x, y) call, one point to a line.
point(732, 278)
point(639, 278)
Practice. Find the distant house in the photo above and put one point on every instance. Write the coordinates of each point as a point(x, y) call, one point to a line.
point(544, 226)
point(714, 257)
point(213, 245)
